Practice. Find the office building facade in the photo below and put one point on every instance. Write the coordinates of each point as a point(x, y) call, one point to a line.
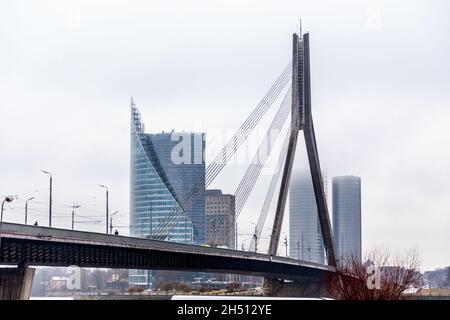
point(346, 192)
point(220, 219)
point(164, 168)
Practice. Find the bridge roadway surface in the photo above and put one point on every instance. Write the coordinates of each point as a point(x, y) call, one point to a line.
point(26, 245)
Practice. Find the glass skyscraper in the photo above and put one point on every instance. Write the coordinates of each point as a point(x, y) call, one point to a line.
point(161, 176)
point(305, 235)
point(347, 217)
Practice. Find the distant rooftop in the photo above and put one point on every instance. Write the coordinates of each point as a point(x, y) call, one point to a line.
point(216, 193)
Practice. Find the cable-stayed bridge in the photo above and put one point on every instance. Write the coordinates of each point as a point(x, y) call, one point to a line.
point(29, 245)
point(297, 101)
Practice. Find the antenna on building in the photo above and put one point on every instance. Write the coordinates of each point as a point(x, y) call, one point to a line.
point(300, 34)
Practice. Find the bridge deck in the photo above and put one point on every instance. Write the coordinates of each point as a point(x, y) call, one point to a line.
point(43, 246)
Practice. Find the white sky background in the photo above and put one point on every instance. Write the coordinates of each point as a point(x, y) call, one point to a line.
point(380, 73)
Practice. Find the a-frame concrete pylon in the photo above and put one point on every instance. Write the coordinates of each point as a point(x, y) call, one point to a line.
point(301, 119)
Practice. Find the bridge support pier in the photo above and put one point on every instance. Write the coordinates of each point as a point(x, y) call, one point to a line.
point(16, 283)
point(306, 289)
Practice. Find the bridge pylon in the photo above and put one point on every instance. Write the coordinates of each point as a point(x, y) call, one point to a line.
point(16, 283)
point(301, 119)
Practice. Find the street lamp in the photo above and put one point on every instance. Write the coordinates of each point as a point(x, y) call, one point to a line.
point(74, 206)
point(107, 205)
point(7, 199)
point(255, 237)
point(214, 231)
point(50, 201)
point(26, 209)
point(286, 244)
point(309, 251)
point(111, 222)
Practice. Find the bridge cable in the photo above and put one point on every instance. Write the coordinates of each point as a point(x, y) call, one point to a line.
point(254, 169)
point(270, 192)
point(269, 195)
point(242, 132)
point(237, 143)
point(249, 124)
point(214, 169)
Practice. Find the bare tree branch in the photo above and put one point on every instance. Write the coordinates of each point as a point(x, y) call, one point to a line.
point(379, 277)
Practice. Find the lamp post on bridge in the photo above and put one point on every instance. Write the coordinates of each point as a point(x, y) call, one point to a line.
point(302, 247)
point(50, 198)
point(111, 222)
point(255, 237)
point(309, 251)
point(286, 244)
point(26, 209)
point(74, 206)
point(7, 199)
point(107, 205)
point(214, 237)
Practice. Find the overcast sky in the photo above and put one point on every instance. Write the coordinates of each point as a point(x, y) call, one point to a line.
point(380, 76)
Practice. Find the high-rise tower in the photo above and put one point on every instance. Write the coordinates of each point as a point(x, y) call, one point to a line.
point(347, 217)
point(305, 236)
point(159, 181)
point(161, 175)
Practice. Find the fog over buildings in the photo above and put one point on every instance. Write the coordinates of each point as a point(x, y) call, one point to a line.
point(305, 235)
